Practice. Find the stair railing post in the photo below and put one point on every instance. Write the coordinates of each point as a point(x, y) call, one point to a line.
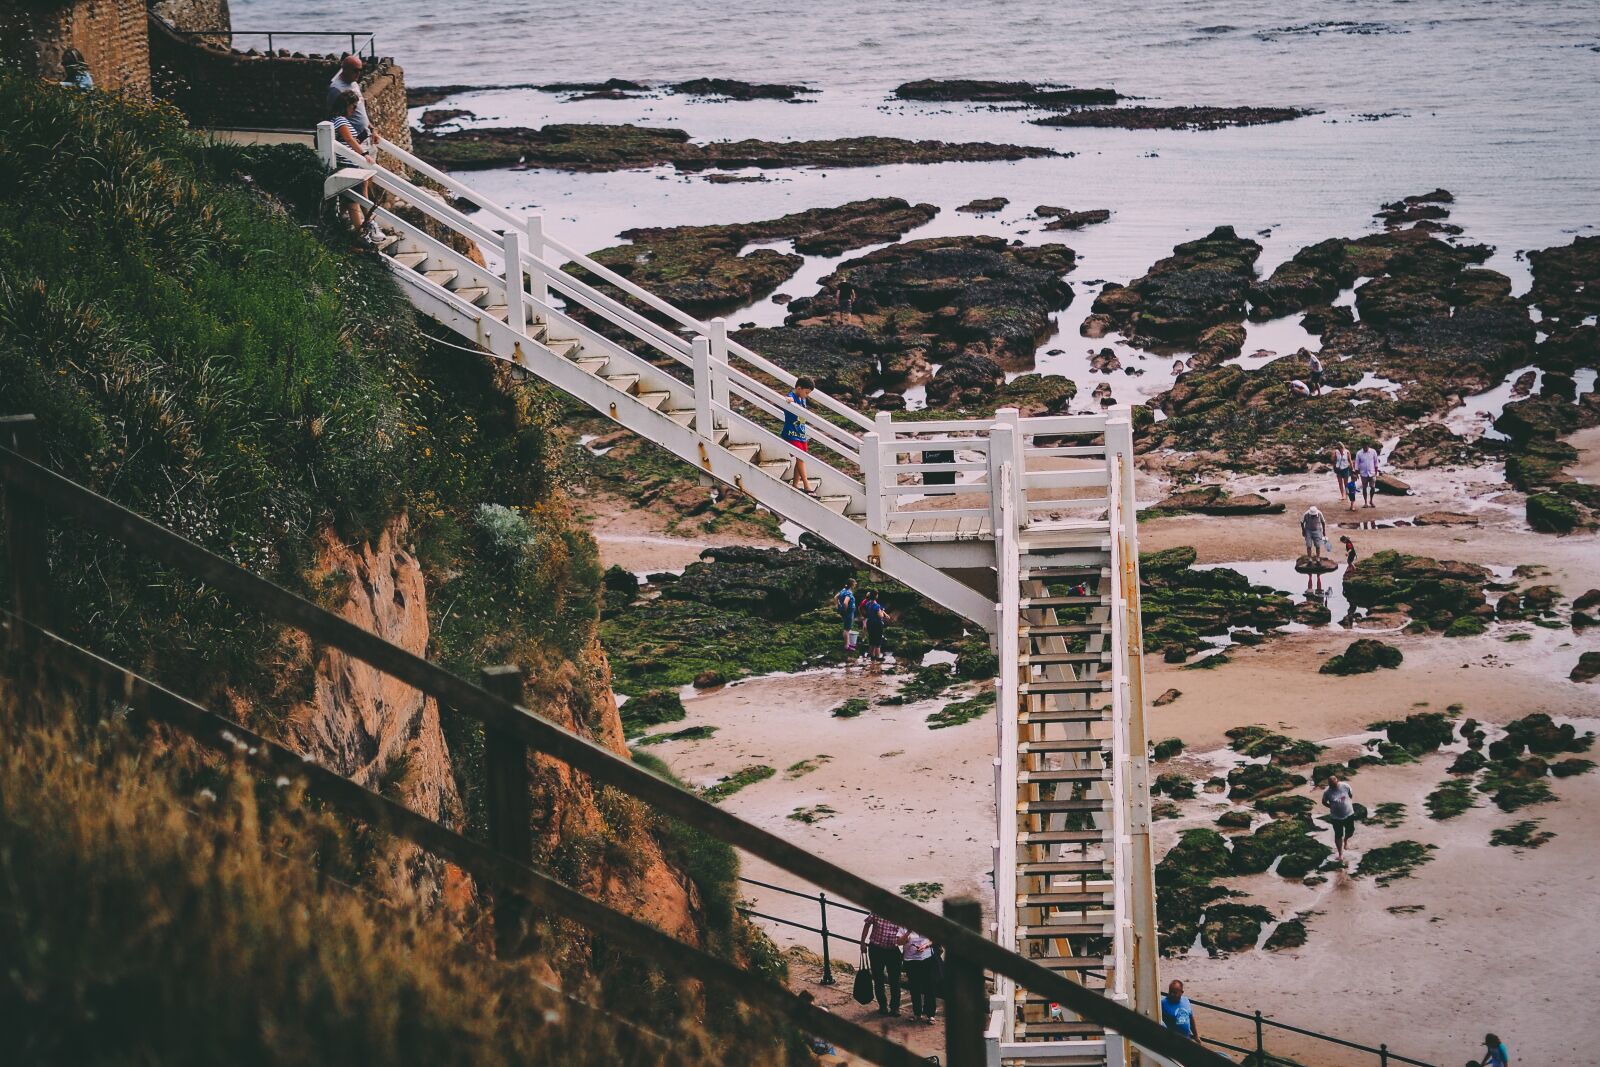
point(883, 457)
point(509, 799)
point(1016, 455)
point(718, 336)
point(516, 299)
point(26, 559)
point(966, 1003)
point(535, 249)
point(325, 145)
point(872, 479)
point(827, 958)
point(1001, 444)
point(704, 421)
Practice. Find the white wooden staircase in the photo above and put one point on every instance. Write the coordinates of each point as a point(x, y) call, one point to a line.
point(1035, 540)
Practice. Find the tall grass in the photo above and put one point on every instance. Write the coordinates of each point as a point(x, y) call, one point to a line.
point(149, 922)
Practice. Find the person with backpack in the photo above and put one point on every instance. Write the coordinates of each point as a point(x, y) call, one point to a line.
point(877, 618)
point(844, 602)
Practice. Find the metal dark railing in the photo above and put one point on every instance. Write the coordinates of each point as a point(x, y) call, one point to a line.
point(33, 493)
point(368, 49)
point(1258, 1056)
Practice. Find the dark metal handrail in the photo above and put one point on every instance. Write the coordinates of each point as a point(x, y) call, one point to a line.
point(370, 45)
point(1385, 1056)
point(30, 487)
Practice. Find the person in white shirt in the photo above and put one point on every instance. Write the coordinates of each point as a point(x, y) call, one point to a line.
point(922, 975)
point(1367, 467)
point(348, 80)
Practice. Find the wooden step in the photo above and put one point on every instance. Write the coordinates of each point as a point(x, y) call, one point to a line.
point(1053, 868)
point(1076, 744)
point(497, 311)
point(1080, 896)
point(471, 293)
point(746, 453)
point(565, 347)
point(411, 260)
point(1071, 963)
point(1060, 1029)
point(1060, 837)
point(592, 364)
point(389, 241)
point(1064, 715)
point(1088, 774)
point(1045, 572)
point(682, 416)
point(1078, 927)
point(1034, 602)
point(1059, 629)
point(835, 504)
point(1066, 685)
point(441, 276)
point(652, 400)
point(1056, 807)
point(624, 382)
point(778, 468)
point(1039, 658)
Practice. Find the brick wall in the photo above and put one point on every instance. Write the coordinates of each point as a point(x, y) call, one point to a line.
point(215, 86)
point(194, 15)
point(110, 34)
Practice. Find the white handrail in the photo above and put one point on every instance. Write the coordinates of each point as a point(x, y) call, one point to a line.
point(444, 179)
point(775, 404)
point(644, 296)
point(766, 366)
point(583, 293)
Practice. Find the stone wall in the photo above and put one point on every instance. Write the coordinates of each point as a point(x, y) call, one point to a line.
point(192, 16)
point(215, 86)
point(109, 33)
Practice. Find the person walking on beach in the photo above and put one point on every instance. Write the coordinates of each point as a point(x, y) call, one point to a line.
point(1177, 1013)
point(882, 939)
point(877, 617)
point(1349, 551)
point(794, 430)
point(1316, 374)
point(1367, 467)
point(844, 602)
point(1351, 490)
point(922, 975)
point(1341, 804)
point(1341, 465)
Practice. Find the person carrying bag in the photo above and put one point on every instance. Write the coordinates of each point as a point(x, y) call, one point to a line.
point(862, 992)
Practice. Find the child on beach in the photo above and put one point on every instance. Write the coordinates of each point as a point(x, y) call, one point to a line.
point(1349, 545)
point(844, 602)
point(1350, 489)
point(876, 618)
point(794, 430)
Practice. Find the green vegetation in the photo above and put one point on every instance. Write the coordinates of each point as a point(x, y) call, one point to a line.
point(1390, 863)
point(1167, 748)
point(693, 733)
point(1230, 927)
point(1516, 783)
point(1364, 656)
point(1524, 834)
point(1182, 605)
point(962, 711)
point(726, 787)
point(1173, 784)
point(850, 709)
point(651, 708)
point(922, 892)
point(804, 767)
point(1453, 797)
point(1258, 741)
point(813, 814)
point(925, 683)
point(1291, 933)
point(1389, 815)
point(1286, 841)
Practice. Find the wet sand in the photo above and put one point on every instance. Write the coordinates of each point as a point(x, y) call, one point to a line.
point(1504, 938)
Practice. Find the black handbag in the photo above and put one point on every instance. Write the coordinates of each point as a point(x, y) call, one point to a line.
point(863, 987)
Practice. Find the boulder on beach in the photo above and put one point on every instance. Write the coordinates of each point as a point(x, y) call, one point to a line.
point(983, 206)
point(1445, 518)
point(1315, 565)
point(1389, 485)
point(1216, 500)
point(1364, 656)
point(1588, 668)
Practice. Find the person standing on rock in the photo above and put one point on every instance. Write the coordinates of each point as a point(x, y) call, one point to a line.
point(844, 602)
point(847, 302)
point(1316, 373)
point(1177, 1013)
point(1314, 528)
point(1340, 800)
point(881, 938)
point(794, 430)
point(1367, 465)
point(1341, 465)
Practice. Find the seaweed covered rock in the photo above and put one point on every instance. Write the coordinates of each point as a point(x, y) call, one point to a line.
point(1199, 855)
point(1182, 604)
point(1254, 781)
point(1432, 591)
point(1286, 841)
point(1213, 500)
point(946, 296)
point(1291, 933)
point(1179, 906)
point(1064, 219)
point(1229, 927)
point(705, 269)
point(1420, 732)
point(1258, 741)
point(988, 91)
point(845, 361)
point(767, 583)
point(1363, 656)
point(1203, 283)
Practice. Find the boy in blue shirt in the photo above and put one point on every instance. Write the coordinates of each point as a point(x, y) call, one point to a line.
point(794, 430)
point(844, 601)
point(1177, 1013)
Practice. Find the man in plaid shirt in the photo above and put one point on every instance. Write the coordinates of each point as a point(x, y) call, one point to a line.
point(881, 939)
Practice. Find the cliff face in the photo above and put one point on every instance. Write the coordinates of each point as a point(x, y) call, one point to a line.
point(387, 736)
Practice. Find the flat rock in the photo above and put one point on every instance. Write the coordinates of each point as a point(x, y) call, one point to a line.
point(1307, 565)
point(1389, 485)
point(1588, 668)
point(984, 205)
point(978, 91)
point(1172, 118)
point(1445, 518)
point(1166, 698)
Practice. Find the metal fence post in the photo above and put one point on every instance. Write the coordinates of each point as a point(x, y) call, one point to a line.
point(26, 560)
point(1261, 1048)
point(966, 1004)
point(1383, 1055)
point(827, 958)
point(509, 800)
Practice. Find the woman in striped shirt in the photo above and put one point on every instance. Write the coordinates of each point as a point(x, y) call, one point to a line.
point(344, 129)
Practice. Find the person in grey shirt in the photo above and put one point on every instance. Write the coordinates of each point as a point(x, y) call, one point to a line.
point(1341, 804)
point(348, 80)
